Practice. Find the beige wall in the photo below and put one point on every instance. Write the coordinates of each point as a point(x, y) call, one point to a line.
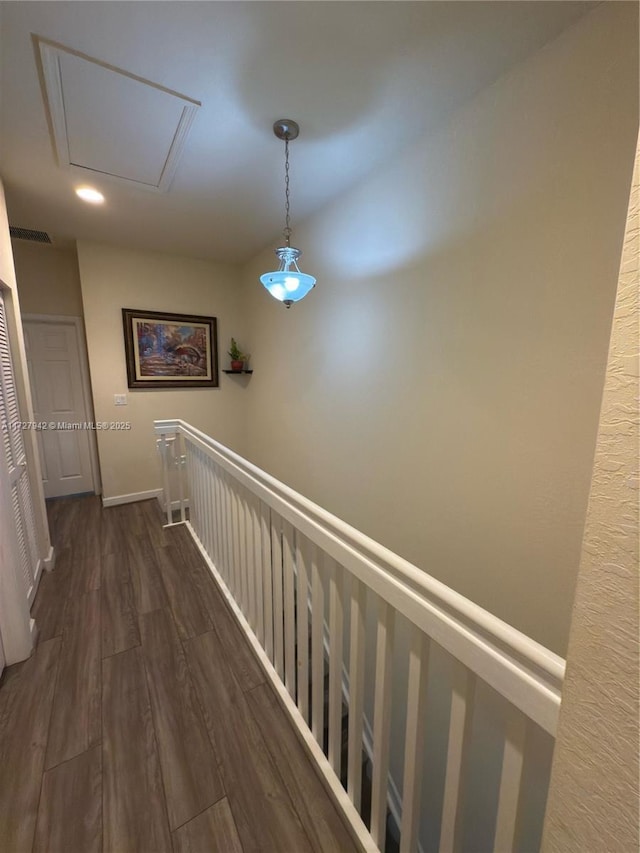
point(113, 279)
point(48, 279)
point(440, 388)
point(593, 800)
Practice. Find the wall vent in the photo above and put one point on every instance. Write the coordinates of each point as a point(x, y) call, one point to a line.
point(29, 234)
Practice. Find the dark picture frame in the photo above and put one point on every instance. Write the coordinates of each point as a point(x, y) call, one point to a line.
point(165, 350)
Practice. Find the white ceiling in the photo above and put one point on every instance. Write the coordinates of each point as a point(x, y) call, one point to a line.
point(363, 79)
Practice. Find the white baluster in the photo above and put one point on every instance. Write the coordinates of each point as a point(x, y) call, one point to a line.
point(193, 512)
point(289, 609)
point(302, 589)
point(317, 646)
point(180, 460)
point(202, 513)
point(242, 550)
point(460, 723)
point(213, 509)
point(510, 781)
point(228, 536)
point(381, 723)
point(197, 515)
point(249, 557)
point(336, 636)
point(235, 530)
point(162, 446)
point(221, 563)
point(356, 689)
point(202, 509)
point(215, 482)
point(278, 616)
point(228, 520)
point(208, 506)
point(258, 568)
point(235, 542)
point(222, 529)
point(189, 475)
point(267, 578)
point(414, 740)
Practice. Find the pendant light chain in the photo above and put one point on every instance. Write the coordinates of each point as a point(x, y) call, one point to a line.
point(287, 284)
point(287, 227)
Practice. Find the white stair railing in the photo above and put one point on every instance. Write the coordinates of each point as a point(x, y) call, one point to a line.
point(299, 580)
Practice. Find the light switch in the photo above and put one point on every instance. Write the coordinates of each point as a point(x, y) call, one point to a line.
point(120, 399)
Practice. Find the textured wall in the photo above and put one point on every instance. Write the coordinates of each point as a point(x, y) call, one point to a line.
point(593, 800)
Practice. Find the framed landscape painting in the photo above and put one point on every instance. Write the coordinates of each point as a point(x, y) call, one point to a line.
point(170, 350)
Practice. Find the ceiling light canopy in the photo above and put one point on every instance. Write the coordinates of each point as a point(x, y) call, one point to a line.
point(90, 194)
point(287, 284)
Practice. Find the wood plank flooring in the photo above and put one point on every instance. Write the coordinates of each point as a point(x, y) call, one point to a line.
point(142, 723)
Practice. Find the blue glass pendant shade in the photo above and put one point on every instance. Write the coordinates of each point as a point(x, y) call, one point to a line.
point(287, 284)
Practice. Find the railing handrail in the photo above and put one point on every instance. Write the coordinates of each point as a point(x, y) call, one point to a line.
point(525, 672)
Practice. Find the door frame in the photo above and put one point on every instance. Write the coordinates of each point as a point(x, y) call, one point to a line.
point(64, 319)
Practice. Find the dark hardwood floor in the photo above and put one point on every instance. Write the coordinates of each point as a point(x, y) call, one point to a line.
point(143, 722)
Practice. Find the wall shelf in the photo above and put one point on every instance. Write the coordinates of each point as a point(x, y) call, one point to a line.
point(237, 371)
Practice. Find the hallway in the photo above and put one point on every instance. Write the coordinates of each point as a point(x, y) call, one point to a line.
point(143, 722)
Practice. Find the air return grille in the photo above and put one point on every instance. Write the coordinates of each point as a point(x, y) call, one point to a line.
point(29, 234)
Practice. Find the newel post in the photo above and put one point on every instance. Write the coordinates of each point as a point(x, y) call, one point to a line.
point(163, 443)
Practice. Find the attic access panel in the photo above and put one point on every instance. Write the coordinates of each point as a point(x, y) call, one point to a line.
point(108, 121)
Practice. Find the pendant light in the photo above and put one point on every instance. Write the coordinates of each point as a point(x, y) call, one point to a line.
point(287, 284)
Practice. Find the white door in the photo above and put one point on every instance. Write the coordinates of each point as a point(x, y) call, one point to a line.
point(19, 563)
point(53, 357)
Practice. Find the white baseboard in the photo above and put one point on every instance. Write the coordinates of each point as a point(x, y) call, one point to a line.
point(116, 500)
point(36, 582)
point(50, 560)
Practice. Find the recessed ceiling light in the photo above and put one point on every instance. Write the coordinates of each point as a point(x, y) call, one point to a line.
point(90, 195)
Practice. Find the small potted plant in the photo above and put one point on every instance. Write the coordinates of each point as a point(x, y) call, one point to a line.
point(236, 356)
